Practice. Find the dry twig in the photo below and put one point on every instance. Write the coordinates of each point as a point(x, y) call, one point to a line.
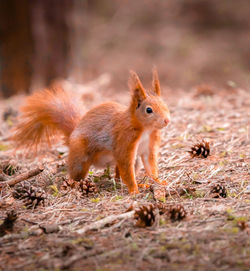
point(21, 177)
point(101, 223)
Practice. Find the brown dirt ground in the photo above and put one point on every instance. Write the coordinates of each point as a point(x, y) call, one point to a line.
point(207, 239)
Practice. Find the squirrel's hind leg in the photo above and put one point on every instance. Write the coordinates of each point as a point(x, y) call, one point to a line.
point(117, 173)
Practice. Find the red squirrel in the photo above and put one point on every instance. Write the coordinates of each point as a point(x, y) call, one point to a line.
point(108, 134)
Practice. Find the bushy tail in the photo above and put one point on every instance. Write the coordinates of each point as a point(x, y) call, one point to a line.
point(45, 114)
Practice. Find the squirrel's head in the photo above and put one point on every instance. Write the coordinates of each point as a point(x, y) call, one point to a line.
point(147, 106)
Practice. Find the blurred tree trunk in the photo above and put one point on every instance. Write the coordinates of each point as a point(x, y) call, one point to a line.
point(15, 47)
point(51, 27)
point(34, 47)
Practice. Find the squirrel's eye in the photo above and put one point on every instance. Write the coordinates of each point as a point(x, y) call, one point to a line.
point(149, 110)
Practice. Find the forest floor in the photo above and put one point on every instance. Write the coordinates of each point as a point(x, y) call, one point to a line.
point(214, 234)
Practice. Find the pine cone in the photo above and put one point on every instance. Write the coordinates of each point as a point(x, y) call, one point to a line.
point(68, 183)
point(8, 222)
point(176, 212)
point(87, 187)
point(242, 225)
point(163, 208)
point(145, 216)
point(32, 196)
point(200, 149)
point(9, 113)
point(219, 191)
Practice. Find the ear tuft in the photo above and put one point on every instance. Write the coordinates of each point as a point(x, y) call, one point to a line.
point(156, 82)
point(136, 87)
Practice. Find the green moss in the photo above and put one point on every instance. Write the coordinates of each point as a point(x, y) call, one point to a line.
point(54, 189)
point(84, 210)
point(148, 196)
point(25, 229)
point(223, 154)
point(163, 248)
point(64, 171)
point(162, 199)
point(220, 129)
point(96, 179)
point(82, 240)
point(195, 176)
point(106, 174)
point(186, 247)
point(207, 129)
point(4, 147)
point(196, 250)
point(114, 184)
point(240, 219)
point(223, 163)
point(233, 230)
point(95, 200)
point(231, 195)
point(177, 146)
point(242, 155)
point(117, 197)
point(9, 122)
point(162, 221)
point(172, 245)
point(230, 215)
point(199, 194)
point(99, 217)
point(134, 246)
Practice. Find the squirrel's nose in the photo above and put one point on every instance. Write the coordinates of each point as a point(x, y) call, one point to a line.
point(166, 121)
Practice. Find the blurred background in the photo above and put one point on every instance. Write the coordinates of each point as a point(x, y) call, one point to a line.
point(190, 41)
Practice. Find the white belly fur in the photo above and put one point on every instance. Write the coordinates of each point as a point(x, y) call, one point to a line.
point(143, 147)
point(107, 159)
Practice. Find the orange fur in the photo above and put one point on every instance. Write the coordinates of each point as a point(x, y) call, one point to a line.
point(44, 114)
point(108, 134)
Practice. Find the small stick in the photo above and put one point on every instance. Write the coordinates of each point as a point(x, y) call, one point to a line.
point(70, 221)
point(3, 178)
point(101, 223)
point(29, 221)
point(22, 177)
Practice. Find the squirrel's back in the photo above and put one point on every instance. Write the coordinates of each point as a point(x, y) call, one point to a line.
point(97, 124)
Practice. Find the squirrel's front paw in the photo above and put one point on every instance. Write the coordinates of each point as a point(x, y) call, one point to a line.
point(144, 185)
point(162, 182)
point(133, 191)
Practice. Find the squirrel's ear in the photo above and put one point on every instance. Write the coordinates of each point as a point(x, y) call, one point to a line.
point(136, 87)
point(156, 82)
